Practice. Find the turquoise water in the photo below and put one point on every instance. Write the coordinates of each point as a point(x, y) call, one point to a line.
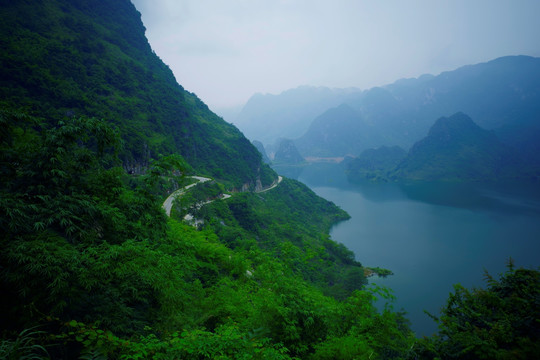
point(433, 235)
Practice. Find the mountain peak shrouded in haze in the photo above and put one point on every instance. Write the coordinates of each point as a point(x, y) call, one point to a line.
point(456, 149)
point(504, 92)
point(287, 153)
point(268, 117)
point(259, 145)
point(458, 127)
point(339, 131)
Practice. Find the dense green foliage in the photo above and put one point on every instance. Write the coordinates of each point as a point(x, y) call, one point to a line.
point(87, 252)
point(91, 58)
point(90, 259)
point(94, 262)
point(291, 223)
point(95, 132)
point(499, 322)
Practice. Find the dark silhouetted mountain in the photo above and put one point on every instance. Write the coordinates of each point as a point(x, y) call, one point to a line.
point(70, 58)
point(287, 153)
point(337, 132)
point(500, 94)
point(525, 140)
point(288, 115)
point(375, 164)
point(456, 149)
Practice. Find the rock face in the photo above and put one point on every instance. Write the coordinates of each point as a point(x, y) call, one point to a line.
point(288, 153)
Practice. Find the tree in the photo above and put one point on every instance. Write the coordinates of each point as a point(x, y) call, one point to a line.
point(499, 322)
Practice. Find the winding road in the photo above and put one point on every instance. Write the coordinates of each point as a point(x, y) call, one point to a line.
point(276, 183)
point(167, 204)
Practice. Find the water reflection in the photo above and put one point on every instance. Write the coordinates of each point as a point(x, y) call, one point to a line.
point(432, 235)
point(508, 196)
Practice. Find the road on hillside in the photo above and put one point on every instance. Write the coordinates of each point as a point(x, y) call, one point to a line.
point(276, 183)
point(167, 204)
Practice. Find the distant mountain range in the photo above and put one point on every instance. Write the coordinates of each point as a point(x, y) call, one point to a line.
point(269, 118)
point(502, 95)
point(498, 95)
point(338, 131)
point(455, 149)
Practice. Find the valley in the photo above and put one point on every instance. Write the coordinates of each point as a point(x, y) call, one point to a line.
point(431, 235)
point(138, 224)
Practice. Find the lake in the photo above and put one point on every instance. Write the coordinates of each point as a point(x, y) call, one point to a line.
point(431, 235)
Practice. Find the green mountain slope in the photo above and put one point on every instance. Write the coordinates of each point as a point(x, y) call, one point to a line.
point(375, 164)
point(72, 58)
point(92, 128)
point(456, 149)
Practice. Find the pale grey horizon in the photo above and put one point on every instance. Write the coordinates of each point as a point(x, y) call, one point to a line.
point(226, 51)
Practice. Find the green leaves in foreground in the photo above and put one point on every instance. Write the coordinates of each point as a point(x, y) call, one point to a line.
point(24, 346)
point(499, 322)
point(89, 246)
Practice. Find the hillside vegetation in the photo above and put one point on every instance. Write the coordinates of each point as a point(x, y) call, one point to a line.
point(91, 58)
point(95, 134)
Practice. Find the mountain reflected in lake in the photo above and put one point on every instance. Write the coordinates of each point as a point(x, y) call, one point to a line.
point(431, 235)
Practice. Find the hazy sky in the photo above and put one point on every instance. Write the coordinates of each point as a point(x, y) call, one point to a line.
point(227, 50)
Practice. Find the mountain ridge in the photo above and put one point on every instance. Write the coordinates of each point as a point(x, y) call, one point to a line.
point(94, 60)
point(456, 148)
point(503, 92)
point(268, 117)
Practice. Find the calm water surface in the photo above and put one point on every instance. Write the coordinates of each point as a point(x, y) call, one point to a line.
point(432, 235)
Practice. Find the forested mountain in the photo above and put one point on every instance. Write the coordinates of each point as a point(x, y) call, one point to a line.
point(95, 133)
point(457, 149)
point(62, 59)
point(375, 164)
point(268, 118)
